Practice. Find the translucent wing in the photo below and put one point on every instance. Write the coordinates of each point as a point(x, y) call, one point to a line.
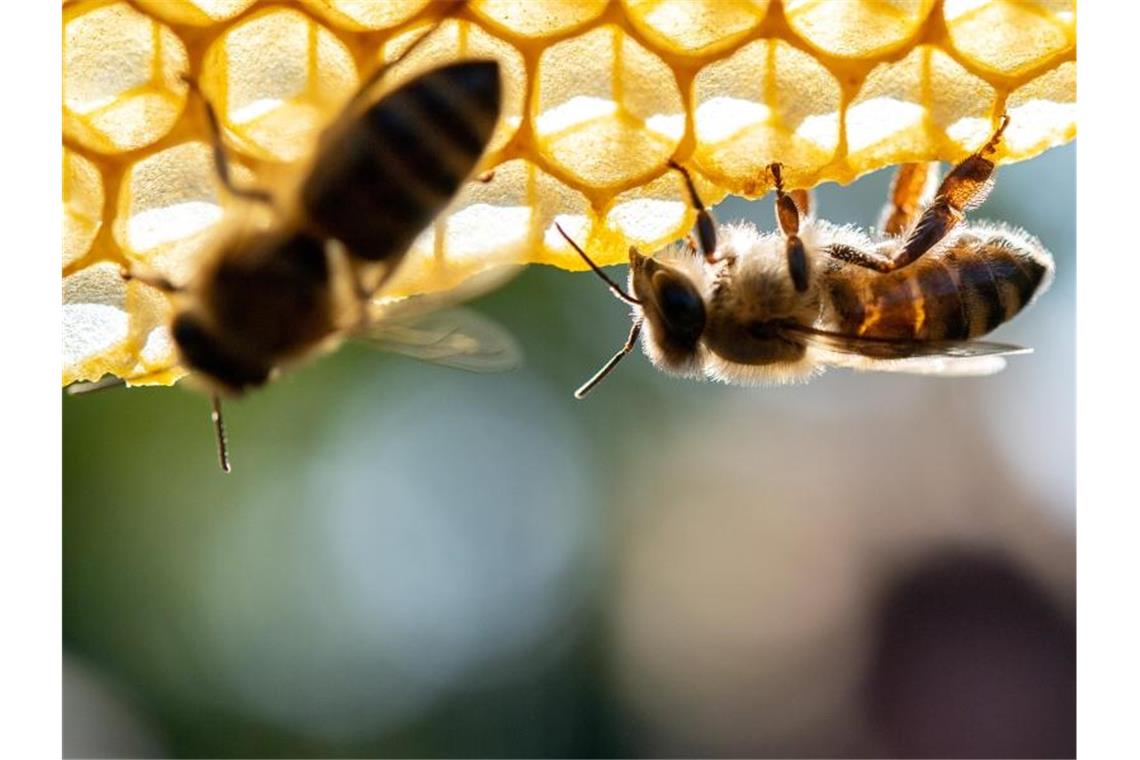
point(384, 309)
point(923, 357)
point(943, 366)
point(459, 338)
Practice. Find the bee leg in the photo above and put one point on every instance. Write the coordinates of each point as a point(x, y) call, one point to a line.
point(805, 202)
point(378, 73)
point(221, 160)
point(964, 188)
point(156, 281)
point(706, 229)
point(859, 257)
point(911, 190)
point(788, 215)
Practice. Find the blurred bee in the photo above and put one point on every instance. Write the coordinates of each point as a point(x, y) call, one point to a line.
point(754, 308)
point(295, 275)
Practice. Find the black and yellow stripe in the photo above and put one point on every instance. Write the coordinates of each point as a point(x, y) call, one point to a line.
point(962, 292)
point(379, 181)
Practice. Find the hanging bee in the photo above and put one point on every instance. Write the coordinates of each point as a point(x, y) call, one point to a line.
point(295, 274)
point(753, 308)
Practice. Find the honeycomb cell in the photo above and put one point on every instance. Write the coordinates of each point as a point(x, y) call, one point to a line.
point(907, 109)
point(767, 102)
point(163, 223)
point(606, 110)
point(591, 117)
point(500, 222)
point(96, 323)
point(657, 213)
point(363, 15)
point(195, 12)
point(82, 205)
point(537, 18)
point(122, 86)
point(695, 27)
point(156, 358)
point(1042, 112)
point(454, 40)
point(1010, 36)
point(276, 78)
point(865, 28)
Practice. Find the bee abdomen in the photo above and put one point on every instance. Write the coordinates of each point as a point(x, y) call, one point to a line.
point(962, 291)
point(998, 274)
point(380, 181)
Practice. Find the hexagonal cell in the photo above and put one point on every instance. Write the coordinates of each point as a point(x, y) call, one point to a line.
point(82, 205)
point(506, 220)
point(456, 40)
point(766, 102)
point(195, 12)
point(605, 109)
point(122, 86)
point(658, 212)
point(1010, 36)
point(365, 15)
point(857, 28)
point(695, 27)
point(95, 322)
point(157, 356)
point(1042, 112)
point(906, 109)
point(168, 206)
point(538, 18)
point(277, 78)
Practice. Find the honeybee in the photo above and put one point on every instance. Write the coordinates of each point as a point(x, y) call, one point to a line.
point(298, 273)
point(754, 308)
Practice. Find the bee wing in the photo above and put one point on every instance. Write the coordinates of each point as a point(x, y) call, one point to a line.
point(458, 338)
point(943, 366)
point(952, 358)
point(383, 309)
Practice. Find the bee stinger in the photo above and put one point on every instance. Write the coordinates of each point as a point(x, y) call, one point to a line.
point(746, 307)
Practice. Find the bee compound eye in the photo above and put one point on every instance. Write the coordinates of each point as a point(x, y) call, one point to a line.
point(202, 352)
point(681, 306)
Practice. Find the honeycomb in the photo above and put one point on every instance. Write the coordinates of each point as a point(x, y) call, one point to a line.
point(598, 97)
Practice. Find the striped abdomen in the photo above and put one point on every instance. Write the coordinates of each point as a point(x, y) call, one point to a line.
point(379, 180)
point(964, 290)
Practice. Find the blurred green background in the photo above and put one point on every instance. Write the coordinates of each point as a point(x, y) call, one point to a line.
point(413, 561)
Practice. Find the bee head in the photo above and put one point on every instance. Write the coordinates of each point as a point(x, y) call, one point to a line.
point(204, 354)
point(673, 309)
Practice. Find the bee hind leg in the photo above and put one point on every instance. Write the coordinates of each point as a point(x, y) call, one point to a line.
point(911, 190)
point(805, 202)
point(964, 188)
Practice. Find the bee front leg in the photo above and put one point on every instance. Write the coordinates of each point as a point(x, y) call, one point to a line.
point(788, 215)
point(964, 188)
point(911, 190)
point(705, 229)
point(221, 159)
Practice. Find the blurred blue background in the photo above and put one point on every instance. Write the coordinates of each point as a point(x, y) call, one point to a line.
point(409, 560)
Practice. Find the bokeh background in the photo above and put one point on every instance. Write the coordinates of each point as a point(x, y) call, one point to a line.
point(414, 561)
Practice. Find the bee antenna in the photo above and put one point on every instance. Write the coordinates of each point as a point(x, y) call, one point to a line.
point(600, 375)
point(614, 287)
point(220, 432)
